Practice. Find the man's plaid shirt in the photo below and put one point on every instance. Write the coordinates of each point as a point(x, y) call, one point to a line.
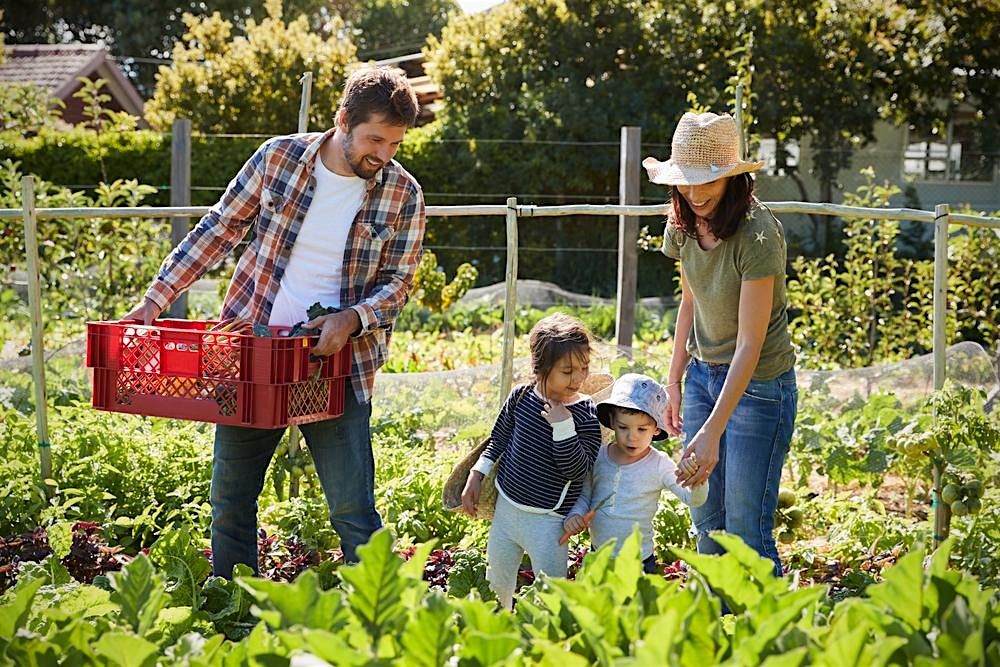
point(271, 194)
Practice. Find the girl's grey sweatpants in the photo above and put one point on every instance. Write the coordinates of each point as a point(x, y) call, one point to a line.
point(514, 532)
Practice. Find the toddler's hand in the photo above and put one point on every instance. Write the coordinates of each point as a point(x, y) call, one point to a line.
point(574, 524)
point(470, 494)
point(686, 468)
point(554, 411)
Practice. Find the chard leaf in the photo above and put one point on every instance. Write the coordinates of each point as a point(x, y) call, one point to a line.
point(300, 603)
point(376, 585)
point(126, 650)
point(430, 633)
point(139, 591)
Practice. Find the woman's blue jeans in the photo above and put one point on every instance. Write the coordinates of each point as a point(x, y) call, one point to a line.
point(341, 448)
point(743, 487)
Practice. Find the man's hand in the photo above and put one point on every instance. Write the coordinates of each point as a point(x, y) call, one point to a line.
point(335, 330)
point(470, 494)
point(147, 311)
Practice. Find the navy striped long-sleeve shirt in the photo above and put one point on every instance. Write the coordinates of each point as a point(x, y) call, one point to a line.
point(535, 469)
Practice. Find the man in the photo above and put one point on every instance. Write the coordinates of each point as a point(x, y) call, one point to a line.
point(339, 222)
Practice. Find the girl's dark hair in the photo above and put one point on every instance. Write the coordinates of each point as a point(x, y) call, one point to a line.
point(732, 209)
point(552, 338)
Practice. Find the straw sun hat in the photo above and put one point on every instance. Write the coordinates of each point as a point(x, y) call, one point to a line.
point(705, 147)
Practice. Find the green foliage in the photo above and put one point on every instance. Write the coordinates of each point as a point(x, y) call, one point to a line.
point(249, 83)
point(467, 574)
point(99, 118)
point(145, 485)
point(389, 28)
point(431, 288)
point(25, 108)
point(872, 305)
point(88, 272)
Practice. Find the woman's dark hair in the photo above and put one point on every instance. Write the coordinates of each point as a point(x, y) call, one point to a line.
point(379, 90)
point(552, 338)
point(732, 209)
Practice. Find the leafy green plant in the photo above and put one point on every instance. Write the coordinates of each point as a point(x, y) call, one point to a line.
point(431, 288)
point(870, 306)
point(87, 270)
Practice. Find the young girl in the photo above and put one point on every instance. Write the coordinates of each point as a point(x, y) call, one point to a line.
point(549, 435)
point(738, 362)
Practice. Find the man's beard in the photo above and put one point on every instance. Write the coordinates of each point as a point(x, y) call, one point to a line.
point(358, 163)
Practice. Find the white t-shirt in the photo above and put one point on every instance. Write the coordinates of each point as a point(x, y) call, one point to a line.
point(636, 487)
point(317, 258)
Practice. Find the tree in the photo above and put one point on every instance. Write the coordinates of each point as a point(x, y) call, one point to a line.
point(535, 94)
point(149, 29)
point(137, 30)
point(947, 57)
point(389, 28)
point(24, 107)
point(250, 83)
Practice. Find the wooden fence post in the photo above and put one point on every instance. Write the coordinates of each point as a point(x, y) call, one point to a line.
point(628, 235)
point(37, 327)
point(510, 302)
point(303, 126)
point(180, 195)
point(942, 512)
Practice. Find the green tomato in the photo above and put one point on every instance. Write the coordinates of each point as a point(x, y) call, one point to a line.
point(786, 537)
point(950, 493)
point(794, 517)
point(974, 504)
point(973, 488)
point(959, 508)
point(786, 498)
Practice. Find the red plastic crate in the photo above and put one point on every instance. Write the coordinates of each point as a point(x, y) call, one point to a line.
point(181, 369)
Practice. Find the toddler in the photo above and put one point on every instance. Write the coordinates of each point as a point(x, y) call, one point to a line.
point(629, 474)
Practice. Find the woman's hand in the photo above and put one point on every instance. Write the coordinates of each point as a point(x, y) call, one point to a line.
point(672, 418)
point(703, 452)
point(470, 494)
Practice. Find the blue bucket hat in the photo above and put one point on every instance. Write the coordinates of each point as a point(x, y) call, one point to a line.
point(637, 392)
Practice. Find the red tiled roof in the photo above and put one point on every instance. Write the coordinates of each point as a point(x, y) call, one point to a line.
point(56, 67)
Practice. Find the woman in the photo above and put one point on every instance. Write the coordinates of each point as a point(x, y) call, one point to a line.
point(740, 396)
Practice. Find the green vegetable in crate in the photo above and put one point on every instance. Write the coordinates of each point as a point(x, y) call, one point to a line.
point(315, 310)
point(242, 327)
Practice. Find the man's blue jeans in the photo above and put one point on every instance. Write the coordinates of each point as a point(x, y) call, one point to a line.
point(341, 448)
point(743, 487)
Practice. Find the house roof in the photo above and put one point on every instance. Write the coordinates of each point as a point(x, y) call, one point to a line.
point(57, 67)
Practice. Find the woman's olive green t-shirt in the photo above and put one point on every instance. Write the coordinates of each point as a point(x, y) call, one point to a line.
point(756, 250)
